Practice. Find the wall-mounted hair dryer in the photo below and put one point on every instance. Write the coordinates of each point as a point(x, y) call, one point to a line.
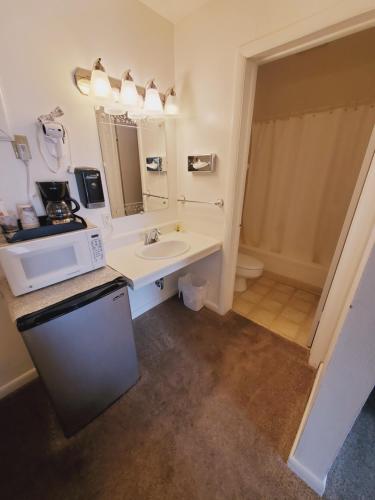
point(55, 137)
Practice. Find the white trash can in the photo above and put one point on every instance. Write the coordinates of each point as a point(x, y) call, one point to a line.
point(194, 291)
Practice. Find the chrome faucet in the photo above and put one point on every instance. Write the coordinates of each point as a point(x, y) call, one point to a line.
point(152, 236)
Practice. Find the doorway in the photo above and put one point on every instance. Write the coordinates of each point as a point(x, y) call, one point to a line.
point(313, 116)
point(260, 51)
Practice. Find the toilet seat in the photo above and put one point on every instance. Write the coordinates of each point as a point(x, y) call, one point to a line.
point(248, 267)
point(249, 262)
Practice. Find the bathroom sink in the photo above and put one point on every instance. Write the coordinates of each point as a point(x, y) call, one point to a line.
point(163, 249)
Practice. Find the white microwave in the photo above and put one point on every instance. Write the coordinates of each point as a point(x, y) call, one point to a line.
point(41, 262)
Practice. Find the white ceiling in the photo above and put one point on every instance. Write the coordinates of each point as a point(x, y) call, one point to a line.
point(174, 10)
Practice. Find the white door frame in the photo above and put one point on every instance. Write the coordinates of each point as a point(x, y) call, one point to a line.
point(294, 39)
point(350, 213)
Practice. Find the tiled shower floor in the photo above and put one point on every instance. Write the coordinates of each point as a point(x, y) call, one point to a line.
point(282, 308)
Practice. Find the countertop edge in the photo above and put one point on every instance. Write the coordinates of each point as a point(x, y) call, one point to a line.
point(138, 283)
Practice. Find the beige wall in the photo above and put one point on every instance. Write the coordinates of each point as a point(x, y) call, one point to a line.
point(41, 43)
point(336, 74)
point(206, 47)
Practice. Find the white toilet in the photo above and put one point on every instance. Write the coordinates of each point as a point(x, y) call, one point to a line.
point(248, 267)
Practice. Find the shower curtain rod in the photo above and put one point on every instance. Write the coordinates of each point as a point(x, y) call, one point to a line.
point(311, 111)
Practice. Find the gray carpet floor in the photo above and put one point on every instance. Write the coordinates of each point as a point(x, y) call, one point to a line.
point(353, 473)
point(213, 416)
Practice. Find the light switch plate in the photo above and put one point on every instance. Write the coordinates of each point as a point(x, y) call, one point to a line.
point(21, 147)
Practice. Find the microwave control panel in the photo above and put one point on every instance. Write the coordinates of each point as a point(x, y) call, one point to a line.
point(97, 251)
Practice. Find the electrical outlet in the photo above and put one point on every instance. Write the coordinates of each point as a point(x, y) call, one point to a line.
point(21, 147)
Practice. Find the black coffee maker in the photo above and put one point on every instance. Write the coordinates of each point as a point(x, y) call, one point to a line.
point(57, 202)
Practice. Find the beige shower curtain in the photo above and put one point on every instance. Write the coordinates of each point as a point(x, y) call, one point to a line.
point(302, 173)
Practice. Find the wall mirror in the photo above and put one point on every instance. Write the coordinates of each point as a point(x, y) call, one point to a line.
point(135, 163)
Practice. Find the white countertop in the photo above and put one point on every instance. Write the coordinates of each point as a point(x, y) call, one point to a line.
point(140, 271)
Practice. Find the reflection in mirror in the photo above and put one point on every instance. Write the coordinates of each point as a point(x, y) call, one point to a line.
point(135, 163)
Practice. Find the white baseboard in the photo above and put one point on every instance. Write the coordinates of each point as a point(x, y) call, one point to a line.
point(18, 382)
point(316, 483)
point(212, 306)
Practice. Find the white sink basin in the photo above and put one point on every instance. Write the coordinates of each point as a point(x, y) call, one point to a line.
point(163, 249)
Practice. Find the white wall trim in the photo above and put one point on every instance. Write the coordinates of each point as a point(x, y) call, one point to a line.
point(351, 358)
point(244, 83)
point(211, 306)
point(310, 402)
point(293, 39)
point(18, 382)
point(316, 483)
point(351, 259)
point(307, 33)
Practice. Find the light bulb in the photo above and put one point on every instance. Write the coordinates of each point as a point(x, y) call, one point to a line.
point(171, 107)
point(99, 84)
point(129, 94)
point(153, 104)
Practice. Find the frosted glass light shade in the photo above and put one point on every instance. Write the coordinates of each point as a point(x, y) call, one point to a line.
point(114, 106)
point(114, 109)
point(138, 112)
point(129, 94)
point(171, 107)
point(99, 83)
point(153, 104)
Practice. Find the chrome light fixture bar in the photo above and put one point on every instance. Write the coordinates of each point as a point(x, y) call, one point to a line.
point(82, 76)
point(120, 96)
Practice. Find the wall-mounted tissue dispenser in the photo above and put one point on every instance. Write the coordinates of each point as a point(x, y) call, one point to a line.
point(201, 163)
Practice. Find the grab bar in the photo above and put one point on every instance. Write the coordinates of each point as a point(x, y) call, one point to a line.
point(155, 196)
point(218, 203)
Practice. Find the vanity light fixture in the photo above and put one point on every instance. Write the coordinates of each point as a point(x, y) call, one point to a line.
point(129, 93)
point(153, 104)
point(99, 84)
point(124, 96)
point(171, 107)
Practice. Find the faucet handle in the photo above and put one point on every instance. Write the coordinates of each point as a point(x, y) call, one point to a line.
point(152, 236)
point(156, 233)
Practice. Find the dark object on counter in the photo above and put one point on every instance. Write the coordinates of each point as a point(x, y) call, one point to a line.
point(83, 349)
point(57, 201)
point(45, 229)
point(90, 187)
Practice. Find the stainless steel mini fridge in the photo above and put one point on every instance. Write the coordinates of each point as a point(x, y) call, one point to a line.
point(83, 349)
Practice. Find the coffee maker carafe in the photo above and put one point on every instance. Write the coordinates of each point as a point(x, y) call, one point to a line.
point(57, 201)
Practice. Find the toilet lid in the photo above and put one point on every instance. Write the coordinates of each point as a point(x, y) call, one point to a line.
point(248, 262)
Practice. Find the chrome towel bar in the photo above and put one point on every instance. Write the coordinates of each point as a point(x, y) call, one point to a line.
point(149, 195)
point(217, 203)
